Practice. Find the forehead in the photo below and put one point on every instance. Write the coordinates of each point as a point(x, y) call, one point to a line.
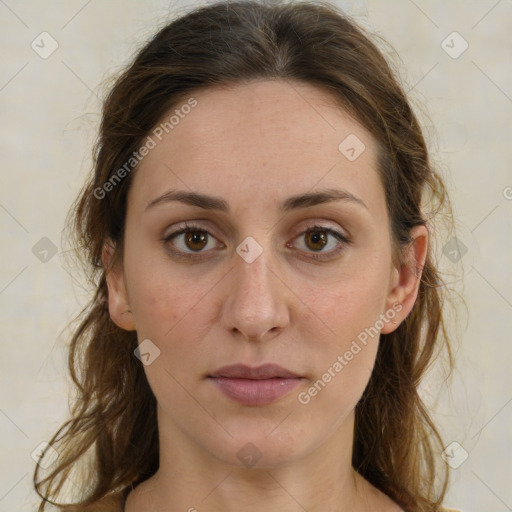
point(265, 139)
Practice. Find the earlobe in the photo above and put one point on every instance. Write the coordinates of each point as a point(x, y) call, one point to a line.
point(118, 302)
point(406, 280)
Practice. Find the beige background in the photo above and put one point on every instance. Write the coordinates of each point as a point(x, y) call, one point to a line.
point(49, 112)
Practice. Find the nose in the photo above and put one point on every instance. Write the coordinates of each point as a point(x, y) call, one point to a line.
point(257, 301)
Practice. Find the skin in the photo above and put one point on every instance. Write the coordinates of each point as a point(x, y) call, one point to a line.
point(255, 145)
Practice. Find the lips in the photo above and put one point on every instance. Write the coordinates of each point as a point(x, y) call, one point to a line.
point(255, 386)
point(267, 371)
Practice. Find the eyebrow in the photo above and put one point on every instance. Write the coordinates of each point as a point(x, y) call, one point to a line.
point(292, 203)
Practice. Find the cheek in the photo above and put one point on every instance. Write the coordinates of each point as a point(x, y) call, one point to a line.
point(171, 315)
point(353, 300)
point(348, 313)
point(161, 293)
point(343, 358)
point(173, 308)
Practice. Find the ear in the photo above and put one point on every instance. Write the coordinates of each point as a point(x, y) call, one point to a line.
point(118, 302)
point(405, 281)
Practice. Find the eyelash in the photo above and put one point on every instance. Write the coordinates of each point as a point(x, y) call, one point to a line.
point(316, 256)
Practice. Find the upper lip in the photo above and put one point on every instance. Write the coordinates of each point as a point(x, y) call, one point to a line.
point(242, 371)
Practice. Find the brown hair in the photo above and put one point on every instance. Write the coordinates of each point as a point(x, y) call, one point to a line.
point(396, 445)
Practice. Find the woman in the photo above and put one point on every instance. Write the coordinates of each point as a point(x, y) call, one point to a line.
point(266, 297)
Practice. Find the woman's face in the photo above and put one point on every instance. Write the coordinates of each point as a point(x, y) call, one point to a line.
point(248, 285)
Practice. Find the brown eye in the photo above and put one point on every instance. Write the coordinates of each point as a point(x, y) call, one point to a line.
point(321, 243)
point(190, 240)
point(316, 240)
point(196, 240)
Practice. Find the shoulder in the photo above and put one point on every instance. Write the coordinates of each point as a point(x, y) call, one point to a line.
point(113, 502)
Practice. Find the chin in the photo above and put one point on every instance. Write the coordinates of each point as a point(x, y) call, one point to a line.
point(255, 447)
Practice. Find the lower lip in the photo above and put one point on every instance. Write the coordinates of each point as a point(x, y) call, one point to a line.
point(256, 392)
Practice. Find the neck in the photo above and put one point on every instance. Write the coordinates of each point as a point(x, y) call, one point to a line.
point(192, 479)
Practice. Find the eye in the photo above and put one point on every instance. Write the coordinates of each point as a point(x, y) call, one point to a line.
point(318, 238)
point(190, 239)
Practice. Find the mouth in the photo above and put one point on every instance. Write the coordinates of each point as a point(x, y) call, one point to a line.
point(255, 386)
